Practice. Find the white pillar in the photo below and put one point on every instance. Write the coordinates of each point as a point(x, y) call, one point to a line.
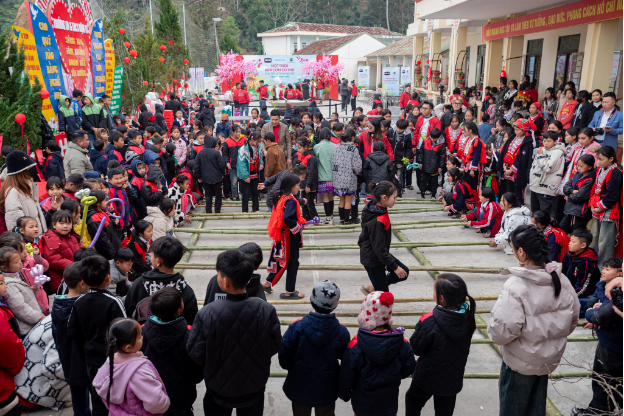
point(298, 43)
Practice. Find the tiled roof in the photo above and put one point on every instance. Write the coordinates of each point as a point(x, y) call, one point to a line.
point(401, 47)
point(338, 29)
point(324, 47)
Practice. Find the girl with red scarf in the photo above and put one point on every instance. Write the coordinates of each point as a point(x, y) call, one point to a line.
point(516, 159)
point(452, 133)
point(462, 197)
point(474, 156)
point(371, 135)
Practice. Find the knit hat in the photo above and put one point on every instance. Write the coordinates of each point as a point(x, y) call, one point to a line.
point(376, 310)
point(18, 161)
point(325, 296)
point(524, 124)
point(523, 95)
point(225, 117)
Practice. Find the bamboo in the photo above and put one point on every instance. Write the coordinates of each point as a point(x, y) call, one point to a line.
point(456, 269)
point(480, 376)
point(303, 301)
point(260, 215)
point(354, 246)
point(319, 204)
point(481, 325)
point(416, 253)
point(192, 241)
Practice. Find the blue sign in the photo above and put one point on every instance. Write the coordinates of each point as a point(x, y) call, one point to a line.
point(98, 62)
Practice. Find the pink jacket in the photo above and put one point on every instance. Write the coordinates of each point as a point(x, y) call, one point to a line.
point(137, 389)
point(180, 152)
point(28, 263)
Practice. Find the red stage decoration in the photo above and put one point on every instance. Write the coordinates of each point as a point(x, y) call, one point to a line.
point(44, 94)
point(127, 60)
point(122, 30)
point(323, 69)
point(133, 53)
point(127, 44)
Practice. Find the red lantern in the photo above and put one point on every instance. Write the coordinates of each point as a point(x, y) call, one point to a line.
point(127, 44)
point(145, 82)
point(169, 75)
point(186, 61)
point(20, 118)
point(175, 81)
point(161, 59)
point(185, 85)
point(133, 53)
point(127, 60)
point(164, 92)
point(44, 94)
point(122, 30)
point(163, 48)
point(170, 42)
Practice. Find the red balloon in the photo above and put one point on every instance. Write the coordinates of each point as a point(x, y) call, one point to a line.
point(133, 53)
point(122, 30)
point(127, 44)
point(20, 118)
point(127, 60)
point(186, 61)
point(171, 42)
point(163, 47)
point(44, 94)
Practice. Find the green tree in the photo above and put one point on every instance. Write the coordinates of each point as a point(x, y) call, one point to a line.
point(168, 27)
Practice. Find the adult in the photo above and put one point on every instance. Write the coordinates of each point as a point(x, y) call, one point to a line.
point(610, 120)
point(93, 118)
point(584, 111)
point(597, 99)
point(144, 117)
point(77, 155)
point(206, 116)
point(263, 93)
point(457, 110)
point(280, 130)
point(354, 94)
point(345, 94)
point(106, 103)
point(243, 100)
point(502, 90)
point(160, 124)
point(405, 96)
point(17, 196)
point(173, 104)
point(457, 95)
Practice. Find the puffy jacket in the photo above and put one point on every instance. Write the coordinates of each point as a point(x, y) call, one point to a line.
point(69, 351)
point(442, 342)
point(137, 388)
point(54, 166)
point(144, 117)
point(138, 209)
point(113, 153)
point(547, 170)
point(432, 155)
point(164, 344)
point(12, 353)
point(21, 300)
point(93, 117)
point(244, 161)
point(207, 117)
point(108, 242)
point(512, 219)
point(310, 351)
point(99, 161)
point(577, 204)
point(346, 166)
point(151, 192)
point(231, 148)
point(582, 271)
point(401, 145)
point(275, 161)
point(210, 165)
point(378, 167)
point(17, 205)
point(59, 251)
point(224, 128)
point(76, 160)
point(324, 151)
point(344, 89)
point(68, 120)
point(529, 323)
point(375, 238)
point(371, 372)
point(234, 376)
point(162, 224)
point(214, 292)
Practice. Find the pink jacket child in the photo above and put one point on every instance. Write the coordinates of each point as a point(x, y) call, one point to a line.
point(27, 264)
point(137, 389)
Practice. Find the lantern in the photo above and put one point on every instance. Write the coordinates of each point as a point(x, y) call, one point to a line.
point(169, 75)
point(122, 30)
point(175, 81)
point(170, 42)
point(145, 82)
point(186, 61)
point(127, 44)
point(163, 48)
point(185, 85)
point(133, 53)
point(127, 60)
point(20, 118)
point(44, 94)
point(161, 59)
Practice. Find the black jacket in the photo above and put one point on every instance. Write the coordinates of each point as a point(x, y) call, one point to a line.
point(209, 165)
point(401, 145)
point(109, 241)
point(144, 117)
point(311, 179)
point(89, 320)
point(206, 116)
point(55, 166)
point(577, 204)
point(445, 121)
point(160, 124)
point(69, 351)
point(164, 344)
point(378, 167)
point(272, 184)
point(375, 238)
point(138, 247)
point(582, 271)
point(213, 291)
point(371, 372)
point(442, 342)
point(234, 339)
point(154, 280)
point(524, 159)
point(432, 155)
point(174, 106)
point(585, 117)
point(152, 199)
point(310, 351)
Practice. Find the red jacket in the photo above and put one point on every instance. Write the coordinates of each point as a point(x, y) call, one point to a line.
point(12, 353)
point(433, 123)
point(298, 94)
point(354, 91)
point(59, 251)
point(405, 97)
point(415, 103)
point(290, 94)
point(263, 91)
point(242, 96)
point(367, 145)
point(492, 211)
point(376, 112)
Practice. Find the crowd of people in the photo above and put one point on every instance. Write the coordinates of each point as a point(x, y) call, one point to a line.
point(124, 330)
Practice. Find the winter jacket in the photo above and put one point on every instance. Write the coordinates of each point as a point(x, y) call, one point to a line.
point(375, 238)
point(401, 145)
point(254, 289)
point(109, 240)
point(134, 152)
point(582, 271)
point(184, 202)
point(70, 354)
point(308, 158)
point(273, 184)
point(608, 325)
point(27, 265)
point(235, 376)
point(120, 283)
point(76, 160)
point(585, 116)
point(180, 151)
point(432, 155)
point(162, 224)
point(547, 170)
point(144, 117)
point(445, 121)
point(324, 151)
point(121, 194)
point(137, 388)
point(577, 204)
point(275, 161)
point(371, 372)
point(567, 113)
point(310, 351)
point(99, 161)
point(599, 294)
point(224, 128)
point(529, 323)
point(346, 165)
point(59, 251)
point(151, 192)
point(366, 145)
point(243, 165)
point(283, 138)
point(231, 148)
point(344, 90)
point(17, 205)
point(207, 118)
point(21, 300)
point(93, 117)
point(210, 165)
point(138, 209)
point(512, 219)
point(68, 120)
point(160, 124)
point(54, 166)
point(114, 153)
point(442, 343)
point(490, 211)
point(12, 354)
point(164, 344)
point(154, 280)
point(378, 167)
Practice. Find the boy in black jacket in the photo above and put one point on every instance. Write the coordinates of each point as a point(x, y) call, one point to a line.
point(235, 377)
point(151, 192)
point(580, 265)
point(401, 143)
point(378, 165)
point(90, 317)
point(166, 253)
point(432, 158)
point(70, 354)
point(210, 165)
point(164, 343)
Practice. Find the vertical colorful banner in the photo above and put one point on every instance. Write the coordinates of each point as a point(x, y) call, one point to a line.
point(109, 58)
point(191, 80)
point(116, 94)
point(363, 77)
point(48, 52)
point(199, 79)
point(26, 42)
point(98, 61)
point(390, 79)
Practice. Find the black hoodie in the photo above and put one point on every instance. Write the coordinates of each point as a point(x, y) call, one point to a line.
point(378, 167)
point(154, 280)
point(164, 344)
point(254, 289)
point(69, 350)
point(375, 238)
point(160, 123)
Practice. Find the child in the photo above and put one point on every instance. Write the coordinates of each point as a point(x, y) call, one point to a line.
point(604, 202)
point(90, 317)
point(572, 145)
point(109, 238)
point(161, 218)
point(139, 389)
point(285, 229)
point(54, 161)
point(138, 208)
point(114, 148)
point(461, 199)
point(210, 165)
point(580, 266)
point(557, 239)
point(135, 148)
point(31, 256)
point(165, 335)
point(120, 266)
point(346, 166)
point(198, 144)
point(369, 381)
point(227, 109)
point(170, 162)
point(375, 241)
point(70, 354)
point(611, 269)
point(253, 253)
point(515, 162)
point(378, 166)
point(432, 158)
point(69, 122)
point(545, 174)
point(58, 245)
point(182, 198)
point(180, 146)
point(474, 155)
point(307, 157)
point(151, 192)
point(514, 216)
point(235, 377)
point(138, 242)
point(310, 351)
point(248, 167)
point(453, 133)
point(117, 179)
point(98, 158)
point(490, 179)
point(230, 153)
point(445, 332)
point(447, 186)
point(578, 191)
point(488, 216)
point(264, 114)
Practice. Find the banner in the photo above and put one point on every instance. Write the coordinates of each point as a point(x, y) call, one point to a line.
point(390, 80)
point(116, 95)
point(199, 79)
point(405, 75)
point(61, 139)
point(191, 80)
point(573, 14)
point(26, 41)
point(363, 77)
point(275, 69)
point(109, 58)
point(98, 59)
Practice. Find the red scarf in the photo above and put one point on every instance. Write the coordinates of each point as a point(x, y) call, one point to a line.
point(276, 227)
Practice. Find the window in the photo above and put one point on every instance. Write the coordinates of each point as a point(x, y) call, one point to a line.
point(569, 61)
point(616, 72)
point(533, 59)
point(480, 65)
point(467, 63)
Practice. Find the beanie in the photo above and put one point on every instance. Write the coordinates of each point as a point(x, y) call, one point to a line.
point(325, 296)
point(376, 310)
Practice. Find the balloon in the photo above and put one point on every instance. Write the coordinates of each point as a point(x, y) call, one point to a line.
point(171, 42)
point(163, 48)
point(127, 60)
point(122, 30)
point(20, 118)
point(133, 53)
point(186, 61)
point(127, 44)
point(44, 94)
point(36, 272)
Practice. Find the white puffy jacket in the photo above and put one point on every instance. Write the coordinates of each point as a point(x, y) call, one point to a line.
point(512, 219)
point(547, 170)
point(529, 323)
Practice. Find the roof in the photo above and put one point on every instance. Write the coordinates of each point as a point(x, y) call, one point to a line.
point(337, 29)
point(324, 47)
point(401, 47)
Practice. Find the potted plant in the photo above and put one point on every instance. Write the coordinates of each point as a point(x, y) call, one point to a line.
point(436, 72)
point(418, 67)
point(460, 75)
point(437, 79)
point(480, 86)
point(461, 85)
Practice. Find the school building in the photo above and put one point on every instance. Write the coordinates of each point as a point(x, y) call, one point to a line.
point(551, 41)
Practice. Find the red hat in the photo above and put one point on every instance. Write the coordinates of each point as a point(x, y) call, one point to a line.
point(376, 310)
point(526, 125)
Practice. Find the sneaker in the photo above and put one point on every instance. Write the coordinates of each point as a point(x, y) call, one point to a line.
point(355, 221)
point(329, 221)
point(579, 411)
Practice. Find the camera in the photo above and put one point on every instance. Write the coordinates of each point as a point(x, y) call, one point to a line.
point(616, 297)
point(599, 131)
